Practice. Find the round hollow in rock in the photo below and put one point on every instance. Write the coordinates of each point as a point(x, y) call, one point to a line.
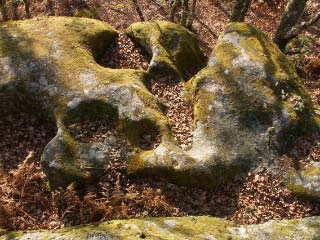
point(123, 53)
point(143, 133)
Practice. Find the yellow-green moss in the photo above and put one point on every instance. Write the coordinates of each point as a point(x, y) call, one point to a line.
point(173, 44)
point(303, 192)
point(173, 228)
point(312, 171)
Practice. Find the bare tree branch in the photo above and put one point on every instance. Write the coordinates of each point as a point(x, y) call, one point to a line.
point(27, 7)
point(138, 9)
point(300, 27)
point(239, 10)
point(193, 13)
point(174, 7)
point(221, 7)
point(204, 25)
point(161, 7)
point(185, 12)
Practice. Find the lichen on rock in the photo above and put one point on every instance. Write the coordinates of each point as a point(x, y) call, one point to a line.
point(168, 44)
point(53, 59)
point(248, 101)
point(180, 228)
point(305, 182)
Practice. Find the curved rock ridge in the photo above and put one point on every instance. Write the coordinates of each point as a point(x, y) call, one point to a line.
point(249, 107)
point(51, 61)
point(249, 103)
point(172, 47)
point(181, 228)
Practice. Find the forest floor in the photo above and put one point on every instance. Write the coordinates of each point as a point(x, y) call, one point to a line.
point(25, 202)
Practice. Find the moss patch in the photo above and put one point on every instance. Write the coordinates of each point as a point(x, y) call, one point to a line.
point(172, 47)
point(181, 228)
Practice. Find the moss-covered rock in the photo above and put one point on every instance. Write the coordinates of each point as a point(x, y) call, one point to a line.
point(305, 182)
point(53, 60)
point(250, 99)
point(172, 47)
point(180, 228)
point(249, 103)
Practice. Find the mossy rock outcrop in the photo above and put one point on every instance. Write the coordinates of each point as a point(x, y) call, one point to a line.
point(249, 107)
point(249, 103)
point(251, 96)
point(201, 228)
point(51, 64)
point(172, 47)
point(305, 182)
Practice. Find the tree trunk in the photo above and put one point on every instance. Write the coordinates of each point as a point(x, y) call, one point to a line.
point(50, 7)
point(290, 17)
point(3, 10)
point(13, 8)
point(239, 10)
point(185, 12)
point(138, 9)
point(27, 7)
point(193, 13)
point(174, 7)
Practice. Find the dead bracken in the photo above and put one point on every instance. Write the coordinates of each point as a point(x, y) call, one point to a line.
point(25, 202)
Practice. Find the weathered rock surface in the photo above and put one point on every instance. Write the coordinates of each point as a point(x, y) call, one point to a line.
point(181, 228)
point(249, 106)
point(249, 103)
point(305, 182)
point(171, 46)
point(53, 62)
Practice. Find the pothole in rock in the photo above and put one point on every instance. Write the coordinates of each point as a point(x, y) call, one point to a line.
point(114, 142)
point(22, 133)
point(143, 133)
point(179, 112)
point(150, 140)
point(104, 131)
point(123, 53)
point(93, 131)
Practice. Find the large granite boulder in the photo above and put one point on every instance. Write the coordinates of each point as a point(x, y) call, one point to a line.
point(249, 107)
point(202, 228)
point(248, 101)
point(172, 47)
point(52, 62)
point(305, 181)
